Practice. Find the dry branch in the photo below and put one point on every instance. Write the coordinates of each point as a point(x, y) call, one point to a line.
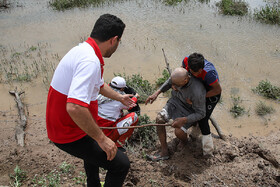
point(20, 134)
point(134, 127)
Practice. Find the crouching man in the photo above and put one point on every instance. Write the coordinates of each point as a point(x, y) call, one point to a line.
point(111, 114)
point(186, 106)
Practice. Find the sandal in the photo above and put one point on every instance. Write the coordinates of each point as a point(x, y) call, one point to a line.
point(156, 158)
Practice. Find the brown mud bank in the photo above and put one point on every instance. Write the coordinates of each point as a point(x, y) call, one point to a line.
point(247, 161)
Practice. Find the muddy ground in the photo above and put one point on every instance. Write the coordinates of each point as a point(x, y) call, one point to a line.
point(248, 161)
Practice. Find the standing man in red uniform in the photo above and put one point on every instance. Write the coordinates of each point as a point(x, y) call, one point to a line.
point(72, 106)
point(207, 73)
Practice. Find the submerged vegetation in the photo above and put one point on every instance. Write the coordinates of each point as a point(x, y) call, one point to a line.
point(233, 7)
point(24, 66)
point(68, 4)
point(267, 90)
point(269, 14)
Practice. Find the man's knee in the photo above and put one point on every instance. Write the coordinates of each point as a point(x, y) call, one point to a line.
point(162, 117)
point(180, 134)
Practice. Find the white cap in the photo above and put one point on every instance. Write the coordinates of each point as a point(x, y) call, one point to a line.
point(118, 82)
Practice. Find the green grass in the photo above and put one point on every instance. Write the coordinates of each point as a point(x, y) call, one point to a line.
point(237, 109)
point(233, 7)
point(267, 90)
point(262, 109)
point(269, 14)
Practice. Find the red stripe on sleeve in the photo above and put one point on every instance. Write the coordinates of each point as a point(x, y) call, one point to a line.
point(78, 102)
point(214, 82)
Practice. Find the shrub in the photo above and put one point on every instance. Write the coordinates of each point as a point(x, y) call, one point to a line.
point(165, 76)
point(143, 87)
point(269, 14)
point(262, 109)
point(237, 109)
point(146, 136)
point(267, 90)
point(233, 7)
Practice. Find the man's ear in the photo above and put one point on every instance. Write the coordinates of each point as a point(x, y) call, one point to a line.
point(114, 39)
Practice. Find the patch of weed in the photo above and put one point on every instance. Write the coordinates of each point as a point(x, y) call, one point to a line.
point(262, 109)
point(269, 14)
point(80, 179)
point(18, 177)
point(146, 136)
point(66, 168)
point(237, 110)
point(233, 7)
point(165, 76)
point(267, 90)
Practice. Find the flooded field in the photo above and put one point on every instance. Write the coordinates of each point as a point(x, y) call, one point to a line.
point(244, 51)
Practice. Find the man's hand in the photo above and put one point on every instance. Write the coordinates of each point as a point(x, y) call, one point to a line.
point(152, 98)
point(127, 101)
point(179, 122)
point(110, 148)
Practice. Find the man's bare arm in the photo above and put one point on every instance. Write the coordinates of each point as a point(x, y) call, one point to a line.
point(83, 118)
point(107, 91)
point(215, 90)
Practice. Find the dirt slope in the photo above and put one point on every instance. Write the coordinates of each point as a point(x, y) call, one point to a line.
point(250, 161)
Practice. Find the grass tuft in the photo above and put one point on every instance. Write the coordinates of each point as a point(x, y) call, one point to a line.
point(267, 90)
point(262, 109)
point(233, 7)
point(237, 110)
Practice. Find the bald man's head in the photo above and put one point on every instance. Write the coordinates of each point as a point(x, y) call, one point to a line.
point(180, 77)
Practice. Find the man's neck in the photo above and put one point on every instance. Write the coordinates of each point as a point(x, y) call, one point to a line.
point(101, 46)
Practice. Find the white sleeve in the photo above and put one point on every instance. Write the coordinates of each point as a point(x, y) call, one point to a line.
point(86, 79)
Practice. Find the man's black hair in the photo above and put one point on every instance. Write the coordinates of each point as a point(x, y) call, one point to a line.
point(106, 27)
point(196, 62)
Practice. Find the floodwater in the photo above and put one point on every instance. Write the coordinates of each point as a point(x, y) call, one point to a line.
point(244, 51)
